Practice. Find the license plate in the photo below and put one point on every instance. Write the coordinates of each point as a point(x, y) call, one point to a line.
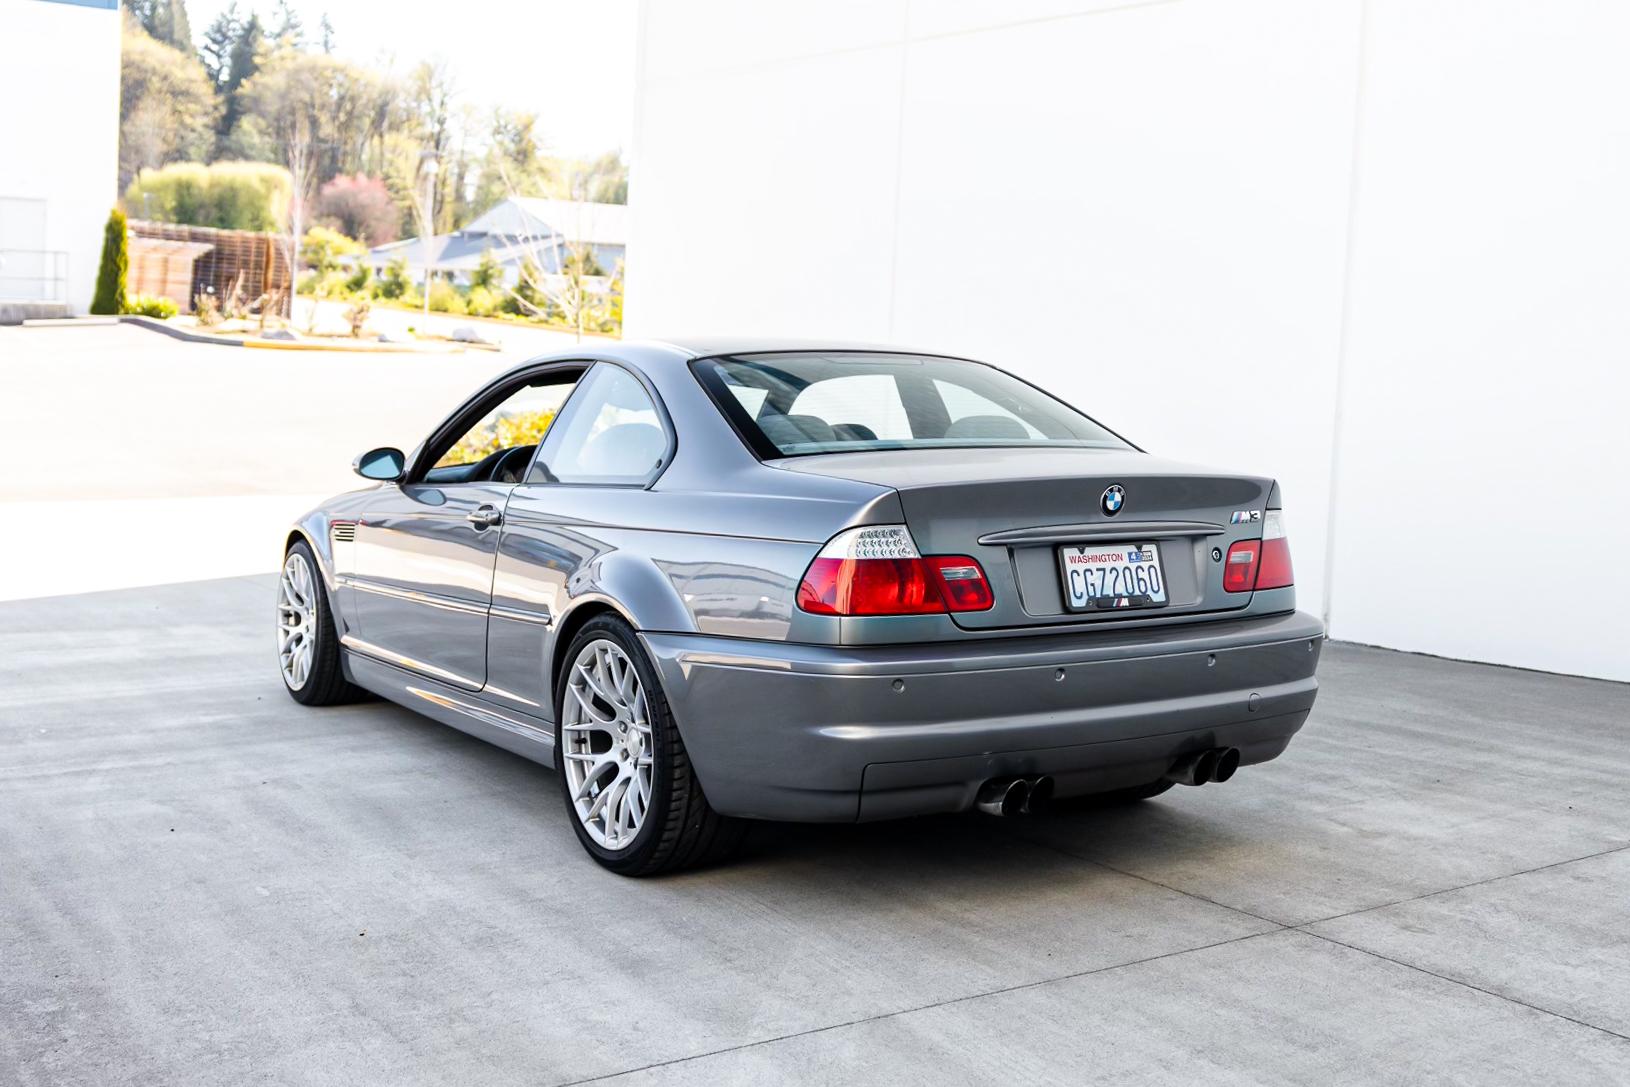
point(1102, 577)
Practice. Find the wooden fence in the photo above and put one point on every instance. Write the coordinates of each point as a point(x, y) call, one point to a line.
point(261, 259)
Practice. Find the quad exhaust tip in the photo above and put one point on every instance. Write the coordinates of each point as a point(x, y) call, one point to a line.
point(1039, 796)
point(1203, 767)
point(1003, 796)
point(1014, 796)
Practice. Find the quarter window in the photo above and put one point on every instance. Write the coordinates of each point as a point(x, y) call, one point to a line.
point(611, 433)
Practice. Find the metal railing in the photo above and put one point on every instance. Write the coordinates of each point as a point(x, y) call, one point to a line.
point(33, 275)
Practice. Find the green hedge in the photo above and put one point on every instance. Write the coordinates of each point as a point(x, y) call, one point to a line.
point(148, 305)
point(228, 195)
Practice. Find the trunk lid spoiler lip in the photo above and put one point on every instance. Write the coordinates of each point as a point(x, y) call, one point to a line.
point(1098, 530)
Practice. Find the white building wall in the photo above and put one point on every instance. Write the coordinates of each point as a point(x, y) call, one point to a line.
point(59, 113)
point(1486, 407)
point(1175, 181)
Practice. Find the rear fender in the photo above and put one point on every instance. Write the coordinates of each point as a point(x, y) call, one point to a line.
point(621, 583)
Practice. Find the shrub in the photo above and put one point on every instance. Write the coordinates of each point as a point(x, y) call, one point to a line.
point(329, 284)
point(229, 195)
point(357, 281)
point(506, 431)
point(322, 248)
point(614, 302)
point(147, 305)
point(336, 284)
point(110, 277)
point(394, 283)
point(487, 273)
point(444, 297)
point(360, 206)
point(481, 302)
point(357, 315)
point(207, 309)
point(235, 306)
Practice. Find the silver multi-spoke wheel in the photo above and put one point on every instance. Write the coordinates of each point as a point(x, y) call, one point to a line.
point(296, 620)
point(607, 744)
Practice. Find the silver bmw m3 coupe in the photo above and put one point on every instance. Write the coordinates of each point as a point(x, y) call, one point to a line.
point(714, 582)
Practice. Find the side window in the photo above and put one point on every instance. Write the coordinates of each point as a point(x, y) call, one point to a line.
point(856, 407)
point(611, 433)
point(521, 420)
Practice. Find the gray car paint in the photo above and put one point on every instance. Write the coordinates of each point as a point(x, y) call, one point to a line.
point(791, 715)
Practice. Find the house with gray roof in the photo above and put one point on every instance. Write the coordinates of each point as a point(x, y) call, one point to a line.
point(519, 228)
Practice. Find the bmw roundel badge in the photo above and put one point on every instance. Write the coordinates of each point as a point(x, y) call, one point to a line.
point(1114, 498)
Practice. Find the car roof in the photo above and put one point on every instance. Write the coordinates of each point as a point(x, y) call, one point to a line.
point(700, 347)
point(684, 349)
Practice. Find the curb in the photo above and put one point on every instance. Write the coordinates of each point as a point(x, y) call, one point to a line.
point(154, 325)
point(355, 348)
point(68, 322)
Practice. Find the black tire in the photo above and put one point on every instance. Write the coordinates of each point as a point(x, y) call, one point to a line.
point(325, 684)
point(680, 829)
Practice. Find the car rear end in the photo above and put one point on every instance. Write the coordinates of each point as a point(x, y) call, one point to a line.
point(1046, 605)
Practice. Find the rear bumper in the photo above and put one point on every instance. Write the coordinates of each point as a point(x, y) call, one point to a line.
point(829, 734)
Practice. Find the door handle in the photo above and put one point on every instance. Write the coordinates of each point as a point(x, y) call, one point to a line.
point(484, 517)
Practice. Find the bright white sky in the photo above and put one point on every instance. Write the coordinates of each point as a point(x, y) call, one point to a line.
point(569, 61)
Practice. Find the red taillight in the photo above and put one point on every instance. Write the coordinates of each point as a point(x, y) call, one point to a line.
point(868, 587)
point(877, 571)
point(962, 582)
point(1273, 568)
point(1239, 570)
point(1260, 564)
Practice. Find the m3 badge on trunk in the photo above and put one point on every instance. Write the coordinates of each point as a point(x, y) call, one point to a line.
point(1112, 501)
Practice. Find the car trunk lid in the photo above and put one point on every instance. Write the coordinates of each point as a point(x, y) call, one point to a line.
point(1014, 509)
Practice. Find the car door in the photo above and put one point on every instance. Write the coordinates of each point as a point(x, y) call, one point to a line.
point(609, 445)
point(425, 549)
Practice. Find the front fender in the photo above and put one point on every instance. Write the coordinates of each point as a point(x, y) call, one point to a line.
point(316, 528)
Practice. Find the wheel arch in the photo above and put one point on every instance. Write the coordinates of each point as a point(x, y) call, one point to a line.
point(302, 533)
point(298, 535)
point(571, 622)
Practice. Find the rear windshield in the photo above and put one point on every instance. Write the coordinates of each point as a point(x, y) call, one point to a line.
point(838, 402)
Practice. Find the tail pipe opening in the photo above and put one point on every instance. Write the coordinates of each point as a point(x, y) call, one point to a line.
point(1217, 764)
point(1039, 796)
point(1015, 796)
point(1003, 796)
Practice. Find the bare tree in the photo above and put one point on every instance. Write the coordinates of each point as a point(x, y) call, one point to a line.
point(568, 291)
point(317, 112)
point(299, 158)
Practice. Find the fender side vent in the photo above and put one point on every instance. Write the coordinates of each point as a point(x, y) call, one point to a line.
point(343, 531)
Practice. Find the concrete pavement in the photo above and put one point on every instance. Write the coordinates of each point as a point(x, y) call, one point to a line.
point(121, 412)
point(129, 429)
point(201, 882)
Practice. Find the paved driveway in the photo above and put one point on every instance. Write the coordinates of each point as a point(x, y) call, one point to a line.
point(132, 427)
point(201, 882)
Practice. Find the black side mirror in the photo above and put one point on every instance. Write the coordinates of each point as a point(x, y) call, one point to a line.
point(383, 463)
